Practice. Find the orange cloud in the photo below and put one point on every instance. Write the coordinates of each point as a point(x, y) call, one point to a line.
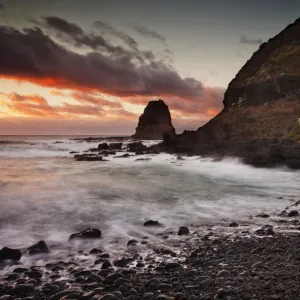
point(37, 106)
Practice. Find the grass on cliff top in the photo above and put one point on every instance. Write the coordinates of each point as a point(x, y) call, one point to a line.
point(295, 133)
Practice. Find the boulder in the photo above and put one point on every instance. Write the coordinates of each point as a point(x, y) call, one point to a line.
point(183, 231)
point(115, 146)
point(38, 248)
point(8, 253)
point(90, 233)
point(151, 223)
point(88, 157)
point(103, 146)
point(136, 147)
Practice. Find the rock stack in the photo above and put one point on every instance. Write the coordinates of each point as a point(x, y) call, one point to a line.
point(155, 122)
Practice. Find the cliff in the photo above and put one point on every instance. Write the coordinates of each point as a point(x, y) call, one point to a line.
point(154, 122)
point(261, 109)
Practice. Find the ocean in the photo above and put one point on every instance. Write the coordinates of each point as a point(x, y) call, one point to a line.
point(46, 195)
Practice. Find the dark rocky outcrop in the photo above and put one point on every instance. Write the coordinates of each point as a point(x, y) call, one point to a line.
point(38, 248)
point(8, 253)
point(154, 122)
point(260, 119)
point(151, 223)
point(88, 157)
point(90, 233)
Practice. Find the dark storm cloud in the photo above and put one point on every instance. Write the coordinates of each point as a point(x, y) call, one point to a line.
point(107, 29)
point(251, 41)
point(1, 6)
point(33, 56)
point(73, 34)
point(148, 33)
point(62, 25)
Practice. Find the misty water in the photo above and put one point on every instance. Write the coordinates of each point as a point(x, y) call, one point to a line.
point(46, 195)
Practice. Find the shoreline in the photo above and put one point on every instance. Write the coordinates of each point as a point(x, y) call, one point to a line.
point(234, 262)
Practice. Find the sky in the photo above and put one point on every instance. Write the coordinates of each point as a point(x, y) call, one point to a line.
point(90, 67)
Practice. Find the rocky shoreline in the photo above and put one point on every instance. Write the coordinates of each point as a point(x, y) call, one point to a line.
point(233, 261)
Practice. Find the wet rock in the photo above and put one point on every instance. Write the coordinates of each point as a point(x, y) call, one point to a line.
point(163, 297)
point(24, 289)
point(140, 265)
point(183, 230)
point(151, 223)
point(38, 248)
point(223, 273)
point(95, 251)
point(108, 297)
point(126, 155)
point(293, 213)
point(106, 265)
point(266, 230)
point(103, 146)
point(90, 233)
point(88, 157)
point(136, 146)
point(115, 146)
point(164, 287)
point(112, 278)
point(8, 253)
point(263, 215)
point(132, 242)
point(12, 277)
point(233, 224)
point(123, 262)
point(172, 265)
point(34, 274)
point(20, 270)
point(62, 294)
point(143, 159)
point(179, 158)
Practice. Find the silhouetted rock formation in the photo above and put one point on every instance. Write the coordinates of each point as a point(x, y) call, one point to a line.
point(261, 109)
point(154, 122)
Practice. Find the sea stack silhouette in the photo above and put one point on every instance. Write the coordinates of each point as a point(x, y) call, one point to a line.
point(260, 119)
point(155, 122)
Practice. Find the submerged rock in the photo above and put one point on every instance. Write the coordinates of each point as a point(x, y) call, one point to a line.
point(103, 146)
point(150, 223)
point(183, 231)
point(88, 157)
point(115, 146)
point(8, 253)
point(90, 233)
point(136, 146)
point(38, 248)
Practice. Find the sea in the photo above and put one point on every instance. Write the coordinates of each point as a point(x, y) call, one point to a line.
point(45, 194)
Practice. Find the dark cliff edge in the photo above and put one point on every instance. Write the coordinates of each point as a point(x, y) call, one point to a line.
point(155, 122)
point(260, 119)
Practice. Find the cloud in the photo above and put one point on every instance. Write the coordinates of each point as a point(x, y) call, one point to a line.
point(37, 58)
point(32, 55)
point(148, 33)
point(251, 41)
point(107, 29)
point(1, 7)
point(37, 106)
point(73, 34)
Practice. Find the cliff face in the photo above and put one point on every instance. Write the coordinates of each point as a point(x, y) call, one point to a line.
point(154, 122)
point(261, 106)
